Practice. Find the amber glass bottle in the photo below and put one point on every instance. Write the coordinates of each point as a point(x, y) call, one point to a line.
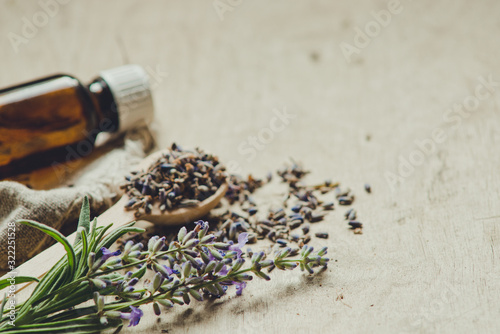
point(57, 118)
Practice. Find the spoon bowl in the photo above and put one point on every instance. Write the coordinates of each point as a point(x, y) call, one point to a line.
point(175, 216)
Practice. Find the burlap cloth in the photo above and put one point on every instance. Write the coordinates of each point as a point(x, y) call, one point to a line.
point(58, 207)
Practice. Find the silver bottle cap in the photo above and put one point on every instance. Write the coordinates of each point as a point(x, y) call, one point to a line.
point(130, 87)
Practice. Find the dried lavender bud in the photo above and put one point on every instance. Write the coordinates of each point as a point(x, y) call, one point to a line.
point(252, 211)
point(322, 235)
point(179, 178)
point(282, 242)
point(328, 206)
point(295, 223)
point(341, 193)
point(305, 229)
point(252, 238)
point(296, 216)
point(348, 212)
point(368, 188)
point(355, 224)
point(316, 217)
point(345, 200)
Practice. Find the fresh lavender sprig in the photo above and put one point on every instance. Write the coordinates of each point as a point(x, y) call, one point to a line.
point(194, 266)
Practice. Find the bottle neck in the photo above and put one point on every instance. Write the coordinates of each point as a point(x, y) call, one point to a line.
point(106, 108)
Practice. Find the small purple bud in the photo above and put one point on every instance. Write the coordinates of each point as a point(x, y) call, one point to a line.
point(323, 251)
point(129, 289)
point(159, 245)
point(208, 239)
point(165, 302)
point(186, 269)
point(244, 277)
point(134, 254)
point(157, 281)
point(137, 246)
point(152, 242)
point(192, 243)
point(156, 308)
point(133, 281)
point(182, 233)
point(91, 260)
point(98, 283)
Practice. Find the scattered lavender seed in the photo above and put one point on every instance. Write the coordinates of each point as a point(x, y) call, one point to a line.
point(316, 217)
point(305, 229)
point(328, 206)
point(296, 208)
point(252, 211)
point(322, 235)
point(282, 242)
point(345, 200)
point(295, 223)
point(341, 193)
point(355, 224)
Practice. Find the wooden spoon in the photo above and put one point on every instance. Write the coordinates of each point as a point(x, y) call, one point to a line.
point(117, 215)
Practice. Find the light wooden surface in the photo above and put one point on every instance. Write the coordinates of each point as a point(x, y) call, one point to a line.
point(428, 260)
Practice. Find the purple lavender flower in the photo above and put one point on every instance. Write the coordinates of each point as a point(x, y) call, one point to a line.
point(223, 271)
point(242, 240)
point(239, 287)
point(171, 271)
point(134, 316)
point(203, 224)
point(106, 254)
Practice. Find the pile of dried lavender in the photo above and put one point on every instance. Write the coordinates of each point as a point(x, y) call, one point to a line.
point(285, 224)
point(288, 223)
point(180, 178)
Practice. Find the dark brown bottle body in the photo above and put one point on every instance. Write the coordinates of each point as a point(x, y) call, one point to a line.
point(52, 120)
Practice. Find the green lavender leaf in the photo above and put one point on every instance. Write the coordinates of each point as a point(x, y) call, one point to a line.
point(97, 235)
point(4, 301)
point(82, 256)
point(116, 234)
point(73, 326)
point(18, 280)
point(84, 221)
point(55, 234)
